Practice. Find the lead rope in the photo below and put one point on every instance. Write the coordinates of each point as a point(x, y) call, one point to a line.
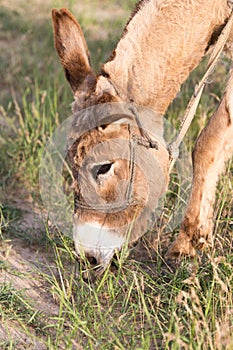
point(173, 148)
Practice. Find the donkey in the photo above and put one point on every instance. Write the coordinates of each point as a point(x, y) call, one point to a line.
point(163, 41)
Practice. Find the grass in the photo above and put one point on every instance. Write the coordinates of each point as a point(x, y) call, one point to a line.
point(142, 305)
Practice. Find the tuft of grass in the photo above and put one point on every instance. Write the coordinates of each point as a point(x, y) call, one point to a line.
point(15, 305)
point(27, 132)
point(18, 312)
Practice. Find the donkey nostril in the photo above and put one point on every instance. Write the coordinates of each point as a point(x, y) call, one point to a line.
point(87, 258)
point(92, 261)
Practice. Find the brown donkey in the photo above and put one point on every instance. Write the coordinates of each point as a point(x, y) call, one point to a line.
point(162, 43)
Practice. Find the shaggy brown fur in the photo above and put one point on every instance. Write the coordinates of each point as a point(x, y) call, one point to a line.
point(161, 44)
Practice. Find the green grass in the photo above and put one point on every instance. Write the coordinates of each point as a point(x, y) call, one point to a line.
point(142, 305)
point(16, 307)
point(136, 308)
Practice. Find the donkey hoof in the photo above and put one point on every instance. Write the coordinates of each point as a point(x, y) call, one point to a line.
point(182, 247)
point(178, 252)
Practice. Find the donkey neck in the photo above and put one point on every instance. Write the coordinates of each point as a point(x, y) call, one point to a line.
point(161, 44)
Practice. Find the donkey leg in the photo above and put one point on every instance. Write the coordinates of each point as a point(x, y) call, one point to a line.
point(213, 148)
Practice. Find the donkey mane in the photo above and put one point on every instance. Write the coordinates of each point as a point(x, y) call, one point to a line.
point(138, 7)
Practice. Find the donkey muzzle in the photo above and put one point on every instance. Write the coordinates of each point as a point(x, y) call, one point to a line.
point(96, 244)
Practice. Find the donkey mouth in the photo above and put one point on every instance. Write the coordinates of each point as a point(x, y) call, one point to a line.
point(90, 270)
point(95, 246)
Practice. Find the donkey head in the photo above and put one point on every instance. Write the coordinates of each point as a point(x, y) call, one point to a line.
point(119, 170)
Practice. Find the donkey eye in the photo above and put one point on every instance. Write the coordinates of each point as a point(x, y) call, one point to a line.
point(101, 169)
point(102, 127)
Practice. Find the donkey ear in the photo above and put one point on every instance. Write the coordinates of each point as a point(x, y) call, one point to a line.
point(72, 49)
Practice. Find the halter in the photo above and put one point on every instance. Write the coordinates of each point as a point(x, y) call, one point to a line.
point(132, 115)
